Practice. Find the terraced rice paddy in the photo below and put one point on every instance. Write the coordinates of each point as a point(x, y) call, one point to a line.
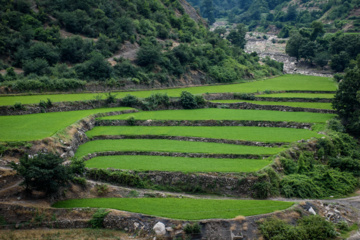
point(282, 83)
point(298, 95)
point(38, 126)
point(260, 134)
point(186, 209)
point(157, 145)
point(226, 114)
point(316, 105)
point(177, 164)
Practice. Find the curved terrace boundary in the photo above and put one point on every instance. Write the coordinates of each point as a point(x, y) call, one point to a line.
point(298, 125)
point(174, 154)
point(192, 139)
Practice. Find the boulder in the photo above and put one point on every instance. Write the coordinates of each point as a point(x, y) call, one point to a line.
point(160, 229)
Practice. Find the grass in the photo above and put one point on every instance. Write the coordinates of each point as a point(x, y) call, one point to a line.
point(174, 164)
point(290, 104)
point(227, 114)
point(285, 82)
point(298, 95)
point(38, 126)
point(157, 145)
point(187, 209)
point(261, 134)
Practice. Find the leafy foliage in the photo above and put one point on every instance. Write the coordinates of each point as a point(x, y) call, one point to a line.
point(43, 172)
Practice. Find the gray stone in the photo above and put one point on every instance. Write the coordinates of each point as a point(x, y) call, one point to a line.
point(159, 229)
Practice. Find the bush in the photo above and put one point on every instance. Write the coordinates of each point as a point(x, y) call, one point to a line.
point(192, 228)
point(301, 186)
point(130, 101)
point(131, 121)
point(110, 98)
point(244, 96)
point(43, 172)
point(97, 220)
point(188, 100)
point(310, 227)
point(346, 164)
point(19, 106)
point(156, 100)
point(77, 166)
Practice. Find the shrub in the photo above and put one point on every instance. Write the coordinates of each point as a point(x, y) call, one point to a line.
point(346, 164)
point(130, 101)
point(301, 186)
point(188, 100)
point(317, 227)
point(43, 172)
point(80, 181)
point(131, 121)
point(110, 98)
point(77, 166)
point(19, 106)
point(97, 219)
point(156, 100)
point(102, 189)
point(244, 96)
point(192, 228)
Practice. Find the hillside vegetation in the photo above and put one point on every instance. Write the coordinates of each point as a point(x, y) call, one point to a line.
point(66, 45)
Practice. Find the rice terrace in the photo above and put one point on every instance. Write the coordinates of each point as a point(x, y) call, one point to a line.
point(214, 150)
point(180, 119)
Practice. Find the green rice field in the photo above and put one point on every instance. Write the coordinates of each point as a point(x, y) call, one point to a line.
point(298, 95)
point(316, 105)
point(38, 126)
point(177, 164)
point(159, 145)
point(186, 209)
point(285, 82)
point(227, 114)
point(262, 134)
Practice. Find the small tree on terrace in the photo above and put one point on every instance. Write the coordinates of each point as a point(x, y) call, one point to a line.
point(44, 172)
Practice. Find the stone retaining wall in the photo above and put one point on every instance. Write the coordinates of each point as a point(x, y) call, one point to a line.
point(229, 184)
point(192, 139)
point(205, 123)
point(252, 106)
point(173, 154)
point(134, 223)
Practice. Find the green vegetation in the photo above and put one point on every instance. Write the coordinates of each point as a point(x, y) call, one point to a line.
point(187, 209)
point(173, 164)
point(290, 104)
point(309, 227)
point(286, 82)
point(260, 134)
point(227, 114)
point(156, 145)
point(44, 172)
point(38, 126)
point(298, 95)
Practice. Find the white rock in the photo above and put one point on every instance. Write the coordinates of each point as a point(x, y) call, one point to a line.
point(136, 225)
point(169, 229)
point(159, 229)
point(312, 211)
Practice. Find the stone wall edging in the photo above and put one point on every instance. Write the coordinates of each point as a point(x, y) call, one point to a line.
point(205, 123)
point(192, 139)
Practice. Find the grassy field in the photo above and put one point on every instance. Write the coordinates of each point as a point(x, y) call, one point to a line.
point(177, 164)
point(156, 145)
point(290, 104)
point(285, 82)
point(187, 209)
point(227, 114)
point(261, 134)
point(298, 95)
point(42, 125)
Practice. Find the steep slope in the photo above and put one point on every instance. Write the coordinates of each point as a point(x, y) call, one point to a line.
point(133, 44)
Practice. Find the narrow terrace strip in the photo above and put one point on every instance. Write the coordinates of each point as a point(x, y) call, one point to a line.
point(177, 164)
point(278, 107)
point(187, 209)
point(307, 105)
point(283, 99)
point(299, 95)
point(38, 126)
point(192, 139)
point(156, 145)
point(227, 114)
point(174, 154)
point(234, 134)
point(209, 123)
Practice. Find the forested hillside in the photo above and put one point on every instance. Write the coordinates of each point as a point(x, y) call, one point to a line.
point(276, 14)
point(62, 45)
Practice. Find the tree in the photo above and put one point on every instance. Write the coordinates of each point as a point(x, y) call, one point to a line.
point(188, 100)
point(347, 100)
point(207, 11)
point(339, 61)
point(293, 45)
point(148, 55)
point(43, 172)
point(237, 36)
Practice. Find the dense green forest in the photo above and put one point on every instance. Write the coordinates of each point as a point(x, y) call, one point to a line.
point(63, 45)
point(265, 14)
